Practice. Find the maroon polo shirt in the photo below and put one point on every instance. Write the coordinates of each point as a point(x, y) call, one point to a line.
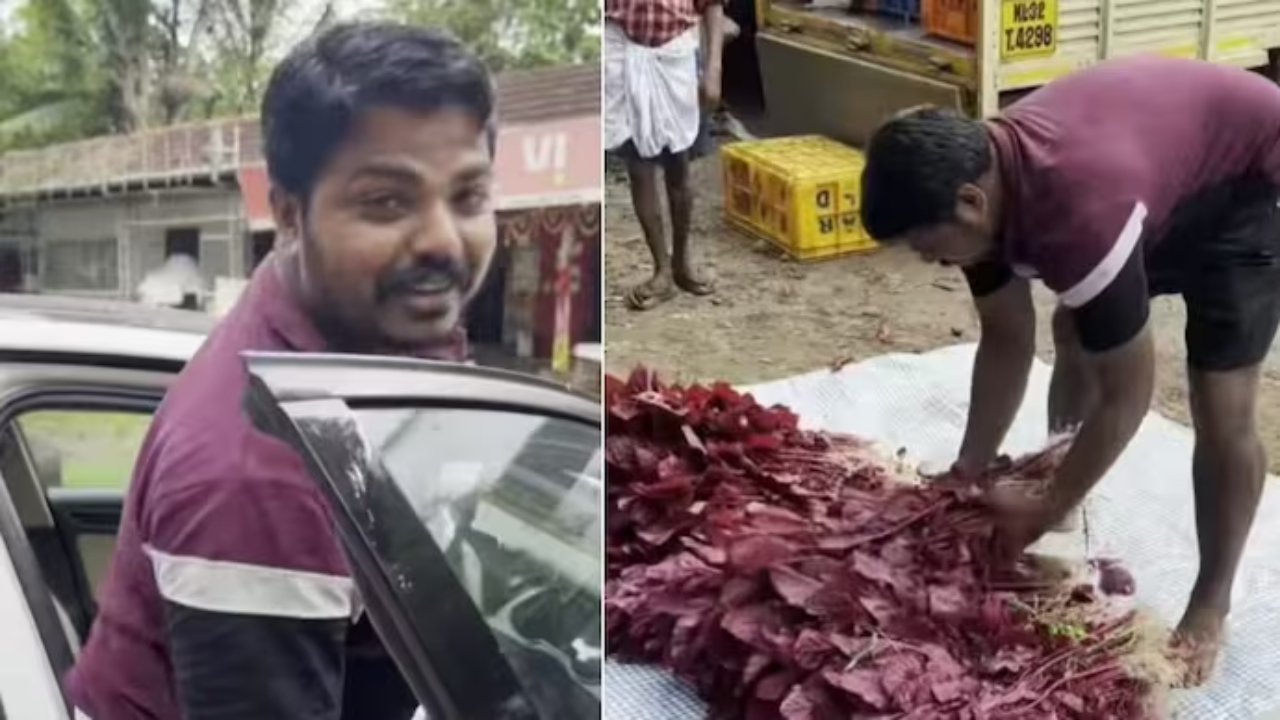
point(1118, 179)
point(229, 595)
point(1099, 160)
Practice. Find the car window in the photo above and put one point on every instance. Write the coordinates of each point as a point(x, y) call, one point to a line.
point(86, 449)
point(513, 501)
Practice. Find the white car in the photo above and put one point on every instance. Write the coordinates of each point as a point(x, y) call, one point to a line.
point(468, 501)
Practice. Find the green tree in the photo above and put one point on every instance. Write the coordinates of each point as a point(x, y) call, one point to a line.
point(513, 34)
point(49, 94)
point(247, 37)
point(180, 28)
point(77, 68)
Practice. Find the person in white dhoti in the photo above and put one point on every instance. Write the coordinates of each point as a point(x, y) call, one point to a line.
point(176, 284)
point(654, 98)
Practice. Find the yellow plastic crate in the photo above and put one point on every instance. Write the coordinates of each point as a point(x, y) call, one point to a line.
point(799, 193)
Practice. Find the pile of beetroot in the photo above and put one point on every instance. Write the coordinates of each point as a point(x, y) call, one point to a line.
point(793, 574)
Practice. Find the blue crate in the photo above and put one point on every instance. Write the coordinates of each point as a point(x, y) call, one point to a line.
point(902, 9)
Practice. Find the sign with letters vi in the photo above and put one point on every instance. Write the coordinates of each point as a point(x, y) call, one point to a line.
point(1028, 29)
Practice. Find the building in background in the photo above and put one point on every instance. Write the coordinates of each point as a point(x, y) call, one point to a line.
point(96, 217)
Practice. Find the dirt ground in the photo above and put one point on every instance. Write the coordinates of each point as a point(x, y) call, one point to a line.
point(771, 318)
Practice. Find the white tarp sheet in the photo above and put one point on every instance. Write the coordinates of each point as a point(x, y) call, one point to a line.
point(1141, 513)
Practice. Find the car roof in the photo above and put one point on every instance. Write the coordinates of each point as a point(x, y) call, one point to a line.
point(99, 328)
point(104, 311)
point(104, 331)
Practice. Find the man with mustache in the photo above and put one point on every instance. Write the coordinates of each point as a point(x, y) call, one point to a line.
point(229, 596)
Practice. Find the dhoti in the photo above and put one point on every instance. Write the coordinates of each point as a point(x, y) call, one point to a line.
point(650, 94)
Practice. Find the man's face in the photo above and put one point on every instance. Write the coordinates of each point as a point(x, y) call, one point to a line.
point(400, 228)
point(948, 243)
point(966, 239)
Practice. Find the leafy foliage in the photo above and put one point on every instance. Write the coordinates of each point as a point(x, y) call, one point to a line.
point(514, 34)
point(796, 575)
point(78, 68)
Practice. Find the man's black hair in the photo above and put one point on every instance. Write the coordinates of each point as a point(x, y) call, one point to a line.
point(319, 91)
point(916, 164)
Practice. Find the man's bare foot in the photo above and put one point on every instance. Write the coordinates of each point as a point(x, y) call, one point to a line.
point(690, 282)
point(1196, 643)
point(650, 294)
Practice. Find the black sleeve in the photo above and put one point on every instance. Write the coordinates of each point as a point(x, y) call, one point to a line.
point(256, 667)
point(1119, 312)
point(987, 276)
point(374, 687)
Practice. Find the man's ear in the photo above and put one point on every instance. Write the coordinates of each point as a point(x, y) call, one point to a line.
point(286, 209)
point(971, 204)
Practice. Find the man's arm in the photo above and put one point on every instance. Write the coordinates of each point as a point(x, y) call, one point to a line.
point(713, 49)
point(1125, 379)
point(257, 601)
point(1006, 349)
point(233, 665)
point(1119, 357)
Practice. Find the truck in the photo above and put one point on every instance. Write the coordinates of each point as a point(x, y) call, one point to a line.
point(863, 60)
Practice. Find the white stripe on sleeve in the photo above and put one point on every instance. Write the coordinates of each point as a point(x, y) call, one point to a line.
point(1105, 271)
point(244, 589)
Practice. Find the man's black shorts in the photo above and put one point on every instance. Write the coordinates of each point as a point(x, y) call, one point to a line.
point(1222, 254)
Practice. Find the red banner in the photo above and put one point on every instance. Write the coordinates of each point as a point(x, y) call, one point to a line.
point(557, 162)
point(255, 194)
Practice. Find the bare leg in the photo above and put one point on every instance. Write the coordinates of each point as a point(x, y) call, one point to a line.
point(1072, 392)
point(675, 170)
point(1229, 469)
point(642, 176)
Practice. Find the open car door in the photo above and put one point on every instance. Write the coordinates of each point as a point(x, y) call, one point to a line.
point(468, 501)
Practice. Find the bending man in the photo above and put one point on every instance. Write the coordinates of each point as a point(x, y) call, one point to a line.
point(1112, 185)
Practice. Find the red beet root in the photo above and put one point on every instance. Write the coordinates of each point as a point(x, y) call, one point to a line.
point(791, 575)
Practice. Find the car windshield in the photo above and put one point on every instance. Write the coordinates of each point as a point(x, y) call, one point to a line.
point(513, 501)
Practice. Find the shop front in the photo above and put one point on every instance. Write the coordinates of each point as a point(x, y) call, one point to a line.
point(550, 190)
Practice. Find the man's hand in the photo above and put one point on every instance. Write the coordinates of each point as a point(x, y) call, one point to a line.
point(965, 470)
point(731, 29)
point(1022, 517)
point(711, 86)
point(712, 51)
